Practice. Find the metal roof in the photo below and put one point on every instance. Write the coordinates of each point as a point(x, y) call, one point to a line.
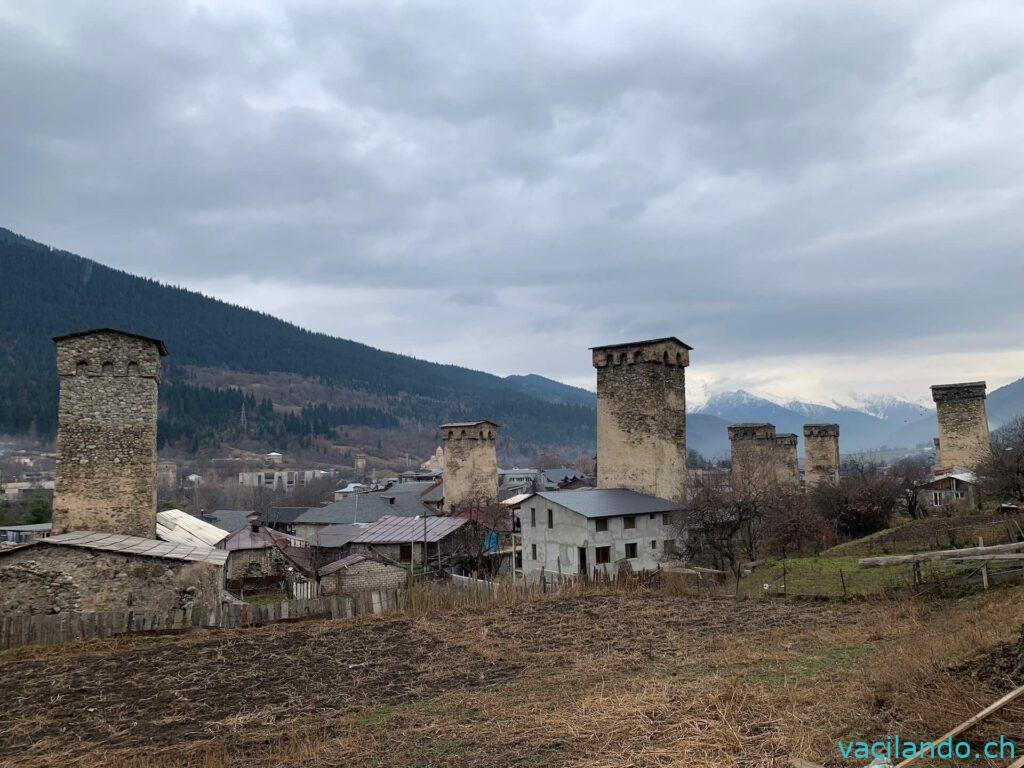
point(515, 501)
point(645, 341)
point(337, 565)
point(229, 520)
point(182, 528)
point(336, 535)
point(136, 545)
point(159, 344)
point(31, 527)
point(285, 514)
point(402, 530)
point(469, 423)
point(366, 508)
point(609, 502)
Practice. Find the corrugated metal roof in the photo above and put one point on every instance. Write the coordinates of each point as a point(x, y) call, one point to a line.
point(182, 528)
point(468, 424)
point(229, 520)
point(31, 527)
point(337, 565)
point(136, 545)
point(515, 501)
point(402, 530)
point(609, 502)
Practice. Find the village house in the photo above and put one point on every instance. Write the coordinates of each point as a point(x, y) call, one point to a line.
point(593, 529)
point(950, 491)
point(355, 574)
point(405, 540)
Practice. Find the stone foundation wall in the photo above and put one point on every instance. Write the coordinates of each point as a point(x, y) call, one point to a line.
point(106, 434)
point(964, 439)
point(46, 578)
point(641, 417)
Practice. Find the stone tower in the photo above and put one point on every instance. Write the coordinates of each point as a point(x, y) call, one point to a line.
point(821, 455)
point(106, 432)
point(754, 455)
point(641, 416)
point(470, 464)
point(963, 424)
point(787, 466)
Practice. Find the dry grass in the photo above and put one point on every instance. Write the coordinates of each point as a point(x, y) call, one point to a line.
point(607, 678)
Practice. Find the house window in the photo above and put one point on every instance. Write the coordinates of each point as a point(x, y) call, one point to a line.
point(653, 515)
point(937, 498)
point(405, 552)
point(629, 522)
point(533, 551)
point(603, 555)
point(533, 517)
point(631, 550)
point(959, 495)
point(654, 544)
point(601, 525)
point(666, 519)
point(551, 519)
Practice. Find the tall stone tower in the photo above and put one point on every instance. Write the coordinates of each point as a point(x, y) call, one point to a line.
point(106, 432)
point(641, 416)
point(821, 455)
point(963, 425)
point(754, 454)
point(787, 466)
point(470, 464)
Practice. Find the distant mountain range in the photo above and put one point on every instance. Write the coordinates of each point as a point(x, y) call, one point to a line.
point(296, 386)
point(866, 424)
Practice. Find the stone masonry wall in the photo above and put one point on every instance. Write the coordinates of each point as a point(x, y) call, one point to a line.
point(787, 464)
point(821, 455)
point(47, 578)
point(754, 456)
point(964, 439)
point(641, 417)
point(470, 465)
point(106, 434)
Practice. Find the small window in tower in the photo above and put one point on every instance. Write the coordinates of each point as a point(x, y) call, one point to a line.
point(82, 367)
point(133, 369)
point(631, 550)
point(533, 551)
point(551, 519)
point(533, 517)
point(108, 368)
point(654, 544)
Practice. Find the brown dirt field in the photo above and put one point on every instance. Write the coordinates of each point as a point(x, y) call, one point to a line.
point(608, 679)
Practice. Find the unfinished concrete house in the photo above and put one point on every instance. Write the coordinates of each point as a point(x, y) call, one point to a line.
point(470, 464)
point(963, 424)
point(821, 455)
point(641, 416)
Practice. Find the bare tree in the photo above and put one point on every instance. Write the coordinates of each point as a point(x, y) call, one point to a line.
point(863, 502)
point(908, 476)
point(1002, 473)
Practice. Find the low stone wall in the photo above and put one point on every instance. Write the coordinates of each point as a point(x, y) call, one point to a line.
point(49, 579)
point(367, 576)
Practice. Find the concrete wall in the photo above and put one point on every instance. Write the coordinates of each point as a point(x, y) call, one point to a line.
point(963, 424)
point(470, 465)
point(821, 455)
point(50, 579)
point(641, 417)
point(106, 435)
point(367, 576)
point(558, 546)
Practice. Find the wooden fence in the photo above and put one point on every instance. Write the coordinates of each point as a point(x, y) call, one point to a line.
point(57, 629)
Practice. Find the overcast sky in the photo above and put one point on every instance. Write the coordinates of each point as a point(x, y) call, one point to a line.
point(819, 197)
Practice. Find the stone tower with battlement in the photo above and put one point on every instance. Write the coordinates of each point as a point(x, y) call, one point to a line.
point(821, 455)
point(641, 416)
point(106, 432)
point(963, 424)
point(787, 465)
point(470, 464)
point(754, 453)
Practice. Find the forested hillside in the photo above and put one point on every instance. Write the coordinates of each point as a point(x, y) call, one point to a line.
point(46, 292)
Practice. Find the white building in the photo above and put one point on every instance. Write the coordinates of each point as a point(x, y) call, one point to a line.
point(577, 531)
point(282, 479)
